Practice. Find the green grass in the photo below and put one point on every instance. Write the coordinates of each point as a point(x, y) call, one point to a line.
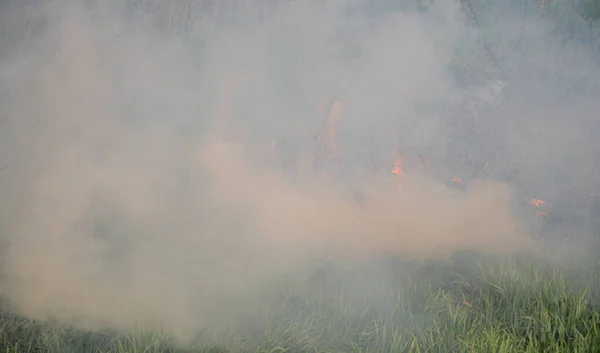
point(469, 304)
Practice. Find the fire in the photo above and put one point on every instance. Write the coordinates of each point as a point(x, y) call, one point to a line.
point(398, 167)
point(539, 203)
point(398, 171)
point(456, 180)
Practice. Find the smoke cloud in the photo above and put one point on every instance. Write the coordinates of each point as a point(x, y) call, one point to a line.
point(153, 172)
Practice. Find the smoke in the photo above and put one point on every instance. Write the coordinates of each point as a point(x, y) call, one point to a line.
point(151, 173)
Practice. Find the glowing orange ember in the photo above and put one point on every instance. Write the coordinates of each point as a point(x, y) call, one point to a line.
point(398, 171)
point(456, 180)
point(398, 167)
point(537, 202)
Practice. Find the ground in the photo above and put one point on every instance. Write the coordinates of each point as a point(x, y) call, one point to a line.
point(467, 304)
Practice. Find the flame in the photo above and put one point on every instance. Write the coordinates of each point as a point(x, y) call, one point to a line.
point(398, 167)
point(537, 202)
point(398, 171)
point(456, 180)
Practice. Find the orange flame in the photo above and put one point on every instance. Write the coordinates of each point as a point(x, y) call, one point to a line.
point(537, 202)
point(398, 171)
point(398, 167)
point(456, 180)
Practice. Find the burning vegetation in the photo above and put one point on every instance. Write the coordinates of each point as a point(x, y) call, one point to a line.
point(405, 243)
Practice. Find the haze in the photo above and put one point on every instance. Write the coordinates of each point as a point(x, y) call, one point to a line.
point(159, 160)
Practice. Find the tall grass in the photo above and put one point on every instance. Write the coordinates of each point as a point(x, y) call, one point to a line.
point(483, 305)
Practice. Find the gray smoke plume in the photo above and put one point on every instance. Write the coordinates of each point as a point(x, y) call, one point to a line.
point(160, 159)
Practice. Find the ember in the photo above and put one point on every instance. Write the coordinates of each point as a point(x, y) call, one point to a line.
point(398, 171)
point(456, 180)
point(539, 203)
